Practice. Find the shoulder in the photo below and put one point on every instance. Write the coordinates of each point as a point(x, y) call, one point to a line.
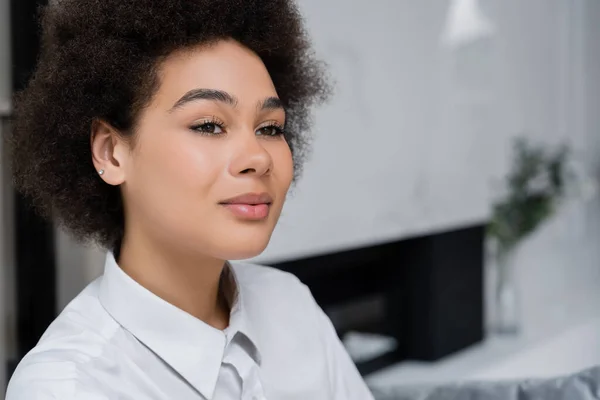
point(36, 378)
point(58, 379)
point(56, 368)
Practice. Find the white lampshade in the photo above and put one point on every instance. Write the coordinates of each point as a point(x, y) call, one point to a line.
point(465, 23)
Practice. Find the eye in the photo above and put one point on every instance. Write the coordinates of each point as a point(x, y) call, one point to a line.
point(208, 128)
point(270, 130)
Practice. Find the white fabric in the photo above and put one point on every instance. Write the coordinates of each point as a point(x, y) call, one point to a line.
point(117, 340)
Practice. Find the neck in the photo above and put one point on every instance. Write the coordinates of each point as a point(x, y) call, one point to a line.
point(189, 281)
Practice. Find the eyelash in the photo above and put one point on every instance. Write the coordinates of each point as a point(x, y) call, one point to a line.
point(209, 121)
point(277, 127)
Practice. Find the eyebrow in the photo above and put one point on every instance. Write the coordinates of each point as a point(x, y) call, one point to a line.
point(270, 103)
point(205, 94)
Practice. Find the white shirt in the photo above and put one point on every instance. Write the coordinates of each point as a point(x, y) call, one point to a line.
point(117, 340)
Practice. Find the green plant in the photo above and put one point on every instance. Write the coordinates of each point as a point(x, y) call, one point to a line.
point(536, 184)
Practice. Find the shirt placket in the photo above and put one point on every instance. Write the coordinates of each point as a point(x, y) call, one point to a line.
point(248, 371)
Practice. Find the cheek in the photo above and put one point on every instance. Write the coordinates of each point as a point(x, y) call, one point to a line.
point(173, 170)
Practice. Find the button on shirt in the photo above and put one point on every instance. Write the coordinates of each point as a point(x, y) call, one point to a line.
point(117, 340)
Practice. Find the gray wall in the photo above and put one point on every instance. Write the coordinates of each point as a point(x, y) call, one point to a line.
point(5, 70)
point(77, 266)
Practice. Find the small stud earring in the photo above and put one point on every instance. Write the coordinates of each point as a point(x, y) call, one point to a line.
point(101, 172)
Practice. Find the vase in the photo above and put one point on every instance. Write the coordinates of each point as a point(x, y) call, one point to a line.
point(506, 313)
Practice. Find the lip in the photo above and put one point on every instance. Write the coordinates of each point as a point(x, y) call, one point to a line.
point(250, 199)
point(249, 206)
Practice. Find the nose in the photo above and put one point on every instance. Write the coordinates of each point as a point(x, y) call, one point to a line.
point(250, 157)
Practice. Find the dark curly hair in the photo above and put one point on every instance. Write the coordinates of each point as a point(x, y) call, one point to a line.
point(99, 60)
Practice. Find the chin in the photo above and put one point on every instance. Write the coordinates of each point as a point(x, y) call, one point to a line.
point(241, 247)
point(243, 253)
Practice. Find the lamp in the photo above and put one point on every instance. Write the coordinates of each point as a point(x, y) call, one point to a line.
point(465, 23)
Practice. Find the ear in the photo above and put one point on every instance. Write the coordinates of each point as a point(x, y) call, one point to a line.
point(110, 152)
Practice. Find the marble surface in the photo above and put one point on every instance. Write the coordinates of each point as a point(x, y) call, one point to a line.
point(575, 349)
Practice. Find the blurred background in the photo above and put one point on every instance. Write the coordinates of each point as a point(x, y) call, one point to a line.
point(448, 220)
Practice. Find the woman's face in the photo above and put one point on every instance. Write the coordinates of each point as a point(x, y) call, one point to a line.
point(210, 168)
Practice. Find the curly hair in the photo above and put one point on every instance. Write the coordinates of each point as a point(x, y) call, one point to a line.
point(99, 60)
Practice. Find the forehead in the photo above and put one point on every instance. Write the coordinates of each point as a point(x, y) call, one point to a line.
point(225, 65)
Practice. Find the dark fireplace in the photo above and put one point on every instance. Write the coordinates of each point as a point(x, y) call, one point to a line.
point(426, 292)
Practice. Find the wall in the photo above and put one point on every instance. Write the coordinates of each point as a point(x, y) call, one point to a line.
point(77, 266)
point(418, 134)
point(552, 68)
point(370, 177)
point(591, 84)
point(5, 68)
point(547, 85)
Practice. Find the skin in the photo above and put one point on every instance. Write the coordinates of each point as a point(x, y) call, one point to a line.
point(183, 164)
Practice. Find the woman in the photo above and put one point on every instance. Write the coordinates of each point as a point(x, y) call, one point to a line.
point(169, 132)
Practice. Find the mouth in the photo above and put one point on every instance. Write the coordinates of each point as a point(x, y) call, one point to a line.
point(249, 206)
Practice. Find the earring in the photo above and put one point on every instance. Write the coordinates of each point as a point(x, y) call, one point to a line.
point(101, 172)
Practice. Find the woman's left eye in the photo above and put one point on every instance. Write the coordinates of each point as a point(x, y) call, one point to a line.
point(271, 130)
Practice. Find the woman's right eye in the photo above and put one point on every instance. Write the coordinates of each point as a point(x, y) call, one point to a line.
point(208, 128)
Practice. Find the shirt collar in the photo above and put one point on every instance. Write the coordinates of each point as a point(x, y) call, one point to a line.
point(190, 346)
